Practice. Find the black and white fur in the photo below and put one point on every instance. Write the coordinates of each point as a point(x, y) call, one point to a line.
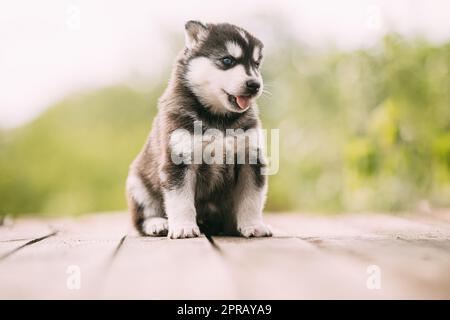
point(181, 200)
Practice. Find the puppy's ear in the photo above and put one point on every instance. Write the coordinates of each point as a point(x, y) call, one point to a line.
point(195, 32)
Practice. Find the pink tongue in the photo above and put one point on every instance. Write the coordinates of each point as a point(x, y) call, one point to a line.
point(242, 101)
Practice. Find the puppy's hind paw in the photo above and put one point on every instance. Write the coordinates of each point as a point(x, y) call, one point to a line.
point(155, 226)
point(184, 231)
point(255, 230)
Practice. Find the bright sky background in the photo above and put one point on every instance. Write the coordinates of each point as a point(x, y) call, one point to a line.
point(51, 48)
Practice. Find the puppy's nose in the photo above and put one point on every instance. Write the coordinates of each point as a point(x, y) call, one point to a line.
point(253, 86)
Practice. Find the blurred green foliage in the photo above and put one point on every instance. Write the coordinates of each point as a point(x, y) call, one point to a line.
point(362, 130)
point(74, 158)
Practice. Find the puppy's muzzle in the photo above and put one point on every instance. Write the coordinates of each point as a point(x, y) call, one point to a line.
point(252, 86)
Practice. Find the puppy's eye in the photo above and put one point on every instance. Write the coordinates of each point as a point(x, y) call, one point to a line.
point(257, 64)
point(228, 61)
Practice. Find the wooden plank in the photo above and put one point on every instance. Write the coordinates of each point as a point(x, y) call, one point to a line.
point(439, 219)
point(404, 226)
point(365, 240)
point(158, 268)
point(309, 225)
point(309, 257)
point(359, 225)
point(40, 271)
point(8, 246)
point(16, 234)
point(21, 244)
point(24, 230)
point(291, 268)
point(409, 270)
point(412, 253)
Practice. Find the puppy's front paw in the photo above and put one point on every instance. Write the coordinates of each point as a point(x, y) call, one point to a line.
point(184, 231)
point(255, 230)
point(155, 226)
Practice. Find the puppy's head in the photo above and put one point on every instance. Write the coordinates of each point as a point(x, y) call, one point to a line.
point(223, 63)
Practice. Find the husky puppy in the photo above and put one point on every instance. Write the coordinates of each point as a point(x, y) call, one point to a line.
point(215, 82)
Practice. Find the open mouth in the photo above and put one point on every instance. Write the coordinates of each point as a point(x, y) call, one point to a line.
point(239, 102)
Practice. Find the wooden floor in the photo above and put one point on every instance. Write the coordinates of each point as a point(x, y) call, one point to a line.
point(309, 257)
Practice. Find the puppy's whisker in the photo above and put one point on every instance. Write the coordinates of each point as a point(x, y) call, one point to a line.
point(265, 95)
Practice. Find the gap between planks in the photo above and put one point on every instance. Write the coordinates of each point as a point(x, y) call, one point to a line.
point(29, 243)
